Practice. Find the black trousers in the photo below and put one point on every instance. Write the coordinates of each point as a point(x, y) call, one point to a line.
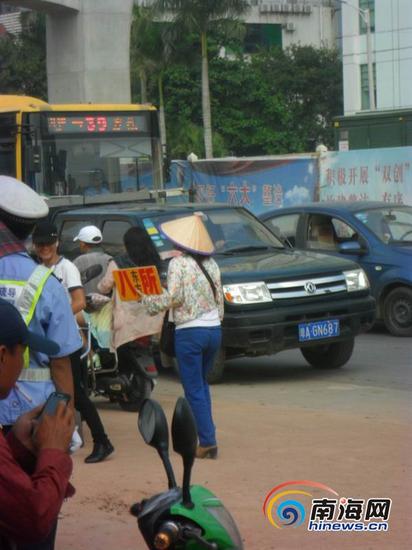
point(82, 401)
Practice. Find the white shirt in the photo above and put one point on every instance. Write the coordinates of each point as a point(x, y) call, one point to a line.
point(68, 275)
point(208, 319)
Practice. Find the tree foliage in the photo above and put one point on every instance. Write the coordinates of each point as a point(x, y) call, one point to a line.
point(275, 102)
point(199, 16)
point(23, 59)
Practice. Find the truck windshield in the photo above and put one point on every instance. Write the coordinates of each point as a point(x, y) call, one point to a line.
point(390, 224)
point(233, 230)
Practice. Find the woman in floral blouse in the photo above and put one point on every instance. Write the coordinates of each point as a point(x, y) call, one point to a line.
point(194, 295)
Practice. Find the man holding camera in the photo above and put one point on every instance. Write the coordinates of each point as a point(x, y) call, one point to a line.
point(35, 466)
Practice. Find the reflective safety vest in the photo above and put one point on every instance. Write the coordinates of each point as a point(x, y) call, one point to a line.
point(26, 303)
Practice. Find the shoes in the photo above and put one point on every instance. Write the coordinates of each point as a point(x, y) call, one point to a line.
point(206, 452)
point(100, 452)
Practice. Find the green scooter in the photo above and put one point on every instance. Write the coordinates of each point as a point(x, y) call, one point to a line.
point(186, 518)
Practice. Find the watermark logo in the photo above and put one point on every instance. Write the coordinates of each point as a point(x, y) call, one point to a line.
point(319, 508)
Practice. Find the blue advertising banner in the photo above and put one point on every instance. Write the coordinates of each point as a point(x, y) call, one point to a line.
point(368, 174)
point(257, 184)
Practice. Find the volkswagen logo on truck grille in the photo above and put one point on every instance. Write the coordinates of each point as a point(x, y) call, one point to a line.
point(310, 288)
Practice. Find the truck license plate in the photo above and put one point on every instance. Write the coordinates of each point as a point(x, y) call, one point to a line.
point(318, 330)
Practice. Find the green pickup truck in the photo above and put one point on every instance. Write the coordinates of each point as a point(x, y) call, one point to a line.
point(276, 298)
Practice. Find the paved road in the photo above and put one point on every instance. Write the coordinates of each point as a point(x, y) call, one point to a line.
point(378, 378)
point(278, 420)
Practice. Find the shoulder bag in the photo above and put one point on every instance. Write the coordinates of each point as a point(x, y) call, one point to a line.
point(167, 336)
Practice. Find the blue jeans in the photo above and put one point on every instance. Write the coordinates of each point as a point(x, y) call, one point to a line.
point(195, 351)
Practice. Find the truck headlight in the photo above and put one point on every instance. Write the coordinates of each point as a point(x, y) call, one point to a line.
point(356, 280)
point(247, 293)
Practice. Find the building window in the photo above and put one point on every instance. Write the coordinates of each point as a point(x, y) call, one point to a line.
point(261, 36)
point(365, 103)
point(364, 5)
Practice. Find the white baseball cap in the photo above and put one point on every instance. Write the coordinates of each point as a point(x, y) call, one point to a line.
point(89, 234)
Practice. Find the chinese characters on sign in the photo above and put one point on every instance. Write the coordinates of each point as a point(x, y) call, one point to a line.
point(240, 195)
point(350, 509)
point(7, 293)
point(256, 184)
point(144, 279)
point(371, 174)
point(287, 505)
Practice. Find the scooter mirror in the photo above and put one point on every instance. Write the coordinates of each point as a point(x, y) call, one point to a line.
point(153, 426)
point(184, 431)
point(184, 436)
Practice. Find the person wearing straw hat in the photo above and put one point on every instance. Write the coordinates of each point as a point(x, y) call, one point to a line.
point(194, 295)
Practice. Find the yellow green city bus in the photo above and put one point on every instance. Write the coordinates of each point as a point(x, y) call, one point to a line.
point(82, 149)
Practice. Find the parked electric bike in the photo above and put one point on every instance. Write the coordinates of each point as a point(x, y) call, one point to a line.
point(190, 517)
point(129, 382)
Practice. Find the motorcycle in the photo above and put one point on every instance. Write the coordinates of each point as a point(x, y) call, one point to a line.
point(187, 517)
point(127, 382)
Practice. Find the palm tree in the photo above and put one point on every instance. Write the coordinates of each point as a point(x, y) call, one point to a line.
point(141, 61)
point(198, 16)
point(150, 52)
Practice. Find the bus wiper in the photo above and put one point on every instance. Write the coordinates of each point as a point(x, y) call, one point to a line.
point(249, 248)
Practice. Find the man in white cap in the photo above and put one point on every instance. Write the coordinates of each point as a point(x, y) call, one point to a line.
point(92, 254)
point(42, 302)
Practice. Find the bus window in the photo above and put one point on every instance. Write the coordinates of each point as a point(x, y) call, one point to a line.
point(96, 166)
point(92, 153)
point(7, 145)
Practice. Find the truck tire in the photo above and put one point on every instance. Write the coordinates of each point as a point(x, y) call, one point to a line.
point(397, 311)
point(215, 374)
point(329, 356)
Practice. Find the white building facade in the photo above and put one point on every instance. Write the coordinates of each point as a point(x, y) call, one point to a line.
point(391, 53)
point(300, 22)
point(287, 22)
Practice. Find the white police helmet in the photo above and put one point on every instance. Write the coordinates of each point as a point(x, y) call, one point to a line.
point(20, 206)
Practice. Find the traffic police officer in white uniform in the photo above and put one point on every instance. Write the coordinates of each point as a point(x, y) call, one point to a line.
point(40, 298)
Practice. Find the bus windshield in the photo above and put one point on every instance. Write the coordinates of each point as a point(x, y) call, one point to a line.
point(92, 155)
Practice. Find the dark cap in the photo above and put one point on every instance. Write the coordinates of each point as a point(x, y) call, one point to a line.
point(45, 233)
point(13, 331)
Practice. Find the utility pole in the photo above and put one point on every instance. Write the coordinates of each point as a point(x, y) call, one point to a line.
point(366, 15)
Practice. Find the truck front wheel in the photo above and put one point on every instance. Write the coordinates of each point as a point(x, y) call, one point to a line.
point(329, 356)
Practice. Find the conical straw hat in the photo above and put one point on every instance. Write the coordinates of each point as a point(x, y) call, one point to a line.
point(190, 234)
